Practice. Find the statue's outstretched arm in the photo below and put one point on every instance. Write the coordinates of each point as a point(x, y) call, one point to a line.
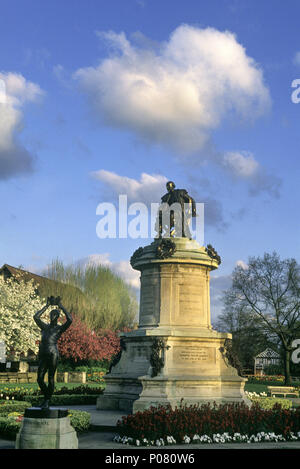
point(69, 319)
point(38, 314)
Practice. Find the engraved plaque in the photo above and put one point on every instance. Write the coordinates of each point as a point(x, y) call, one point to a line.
point(191, 301)
point(194, 355)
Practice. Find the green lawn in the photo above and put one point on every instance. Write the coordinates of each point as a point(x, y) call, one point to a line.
point(256, 387)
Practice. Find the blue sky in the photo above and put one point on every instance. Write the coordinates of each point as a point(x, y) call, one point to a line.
point(99, 93)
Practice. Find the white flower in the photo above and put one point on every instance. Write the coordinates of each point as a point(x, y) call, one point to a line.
point(19, 302)
point(216, 438)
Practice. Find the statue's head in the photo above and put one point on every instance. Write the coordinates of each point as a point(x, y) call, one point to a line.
point(54, 315)
point(170, 186)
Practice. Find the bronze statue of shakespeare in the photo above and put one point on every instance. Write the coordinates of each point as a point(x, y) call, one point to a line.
point(48, 351)
point(175, 212)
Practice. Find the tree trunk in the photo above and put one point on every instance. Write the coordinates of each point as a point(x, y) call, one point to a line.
point(287, 373)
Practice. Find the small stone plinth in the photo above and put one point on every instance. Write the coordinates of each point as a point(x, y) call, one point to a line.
point(46, 429)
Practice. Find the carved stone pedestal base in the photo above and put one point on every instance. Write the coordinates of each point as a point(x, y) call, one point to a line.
point(46, 429)
point(160, 366)
point(175, 354)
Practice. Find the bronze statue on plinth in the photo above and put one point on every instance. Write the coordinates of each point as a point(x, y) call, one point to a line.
point(48, 351)
point(175, 213)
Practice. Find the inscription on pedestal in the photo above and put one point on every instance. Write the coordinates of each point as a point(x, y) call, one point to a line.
point(186, 355)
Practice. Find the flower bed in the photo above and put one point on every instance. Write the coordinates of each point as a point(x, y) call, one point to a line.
point(205, 439)
point(271, 380)
point(96, 377)
point(209, 424)
point(276, 379)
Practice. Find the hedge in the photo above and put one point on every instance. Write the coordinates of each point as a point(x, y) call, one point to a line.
point(80, 420)
point(9, 428)
point(13, 406)
point(10, 425)
point(65, 399)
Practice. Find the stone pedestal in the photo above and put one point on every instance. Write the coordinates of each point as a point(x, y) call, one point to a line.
point(175, 355)
point(46, 429)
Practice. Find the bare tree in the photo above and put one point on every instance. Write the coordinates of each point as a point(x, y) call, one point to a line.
point(268, 288)
point(248, 334)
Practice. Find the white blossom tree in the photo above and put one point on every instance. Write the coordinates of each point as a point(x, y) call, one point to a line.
point(18, 303)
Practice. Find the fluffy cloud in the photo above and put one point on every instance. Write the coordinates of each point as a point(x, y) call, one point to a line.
point(240, 165)
point(242, 264)
point(244, 167)
point(16, 91)
point(177, 94)
point(148, 189)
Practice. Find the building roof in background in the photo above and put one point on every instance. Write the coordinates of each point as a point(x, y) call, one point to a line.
point(268, 353)
point(43, 283)
point(10, 271)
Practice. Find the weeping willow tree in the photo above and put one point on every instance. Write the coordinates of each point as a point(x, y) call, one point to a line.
point(100, 298)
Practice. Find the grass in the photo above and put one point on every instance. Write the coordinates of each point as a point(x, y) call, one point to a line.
point(263, 387)
point(256, 387)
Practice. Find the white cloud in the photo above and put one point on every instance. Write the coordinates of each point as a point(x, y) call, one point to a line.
point(19, 90)
point(242, 264)
point(175, 95)
point(148, 189)
point(14, 158)
point(241, 165)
